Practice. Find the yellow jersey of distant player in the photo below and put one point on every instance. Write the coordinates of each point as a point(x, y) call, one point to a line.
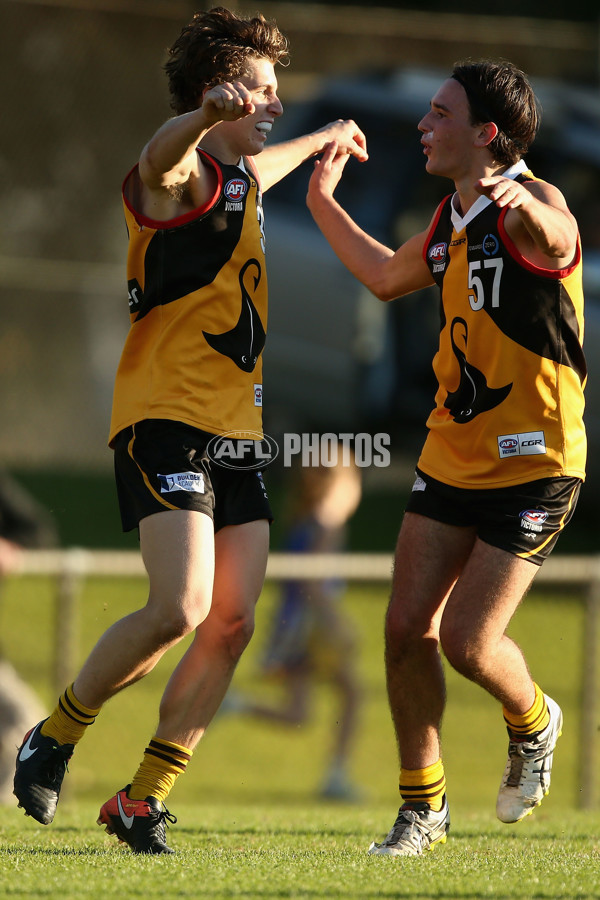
point(510, 364)
point(198, 309)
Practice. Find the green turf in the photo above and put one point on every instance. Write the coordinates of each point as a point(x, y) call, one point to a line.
point(270, 852)
point(249, 825)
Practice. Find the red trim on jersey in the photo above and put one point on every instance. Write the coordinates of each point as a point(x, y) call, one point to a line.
point(250, 164)
point(178, 220)
point(525, 263)
point(434, 225)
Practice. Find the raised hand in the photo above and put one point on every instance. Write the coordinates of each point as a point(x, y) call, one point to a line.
point(328, 170)
point(227, 102)
point(348, 137)
point(504, 191)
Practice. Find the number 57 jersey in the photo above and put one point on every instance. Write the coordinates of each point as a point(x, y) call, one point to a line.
point(510, 364)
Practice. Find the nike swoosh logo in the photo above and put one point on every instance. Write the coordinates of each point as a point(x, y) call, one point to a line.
point(125, 819)
point(27, 750)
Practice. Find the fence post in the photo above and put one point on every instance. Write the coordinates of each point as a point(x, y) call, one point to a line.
point(66, 626)
point(588, 765)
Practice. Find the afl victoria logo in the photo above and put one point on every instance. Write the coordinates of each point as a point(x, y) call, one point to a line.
point(236, 189)
point(437, 253)
point(534, 516)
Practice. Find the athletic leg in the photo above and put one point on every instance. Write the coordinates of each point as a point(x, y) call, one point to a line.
point(178, 552)
point(200, 681)
point(177, 547)
point(430, 556)
point(474, 640)
point(475, 620)
point(429, 559)
point(136, 814)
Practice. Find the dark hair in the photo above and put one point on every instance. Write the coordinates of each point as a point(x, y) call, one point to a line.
point(214, 48)
point(499, 92)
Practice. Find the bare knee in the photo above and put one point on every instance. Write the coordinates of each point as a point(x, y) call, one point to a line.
point(462, 650)
point(174, 621)
point(235, 634)
point(405, 630)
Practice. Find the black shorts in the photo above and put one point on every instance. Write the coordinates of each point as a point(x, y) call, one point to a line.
point(524, 519)
point(162, 464)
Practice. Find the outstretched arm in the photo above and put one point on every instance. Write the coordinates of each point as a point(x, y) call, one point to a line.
point(385, 273)
point(169, 160)
point(278, 160)
point(538, 219)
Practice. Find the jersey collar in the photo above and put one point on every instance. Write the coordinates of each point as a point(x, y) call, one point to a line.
point(459, 222)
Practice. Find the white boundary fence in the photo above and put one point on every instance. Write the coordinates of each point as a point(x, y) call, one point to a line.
point(581, 574)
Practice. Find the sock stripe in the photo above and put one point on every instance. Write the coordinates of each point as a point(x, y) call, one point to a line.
point(74, 713)
point(535, 719)
point(172, 749)
point(162, 764)
point(433, 786)
point(426, 785)
point(171, 760)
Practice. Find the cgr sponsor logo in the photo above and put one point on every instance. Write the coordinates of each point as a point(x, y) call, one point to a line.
point(530, 443)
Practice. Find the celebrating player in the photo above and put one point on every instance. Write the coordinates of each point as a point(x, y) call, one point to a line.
point(190, 370)
point(501, 468)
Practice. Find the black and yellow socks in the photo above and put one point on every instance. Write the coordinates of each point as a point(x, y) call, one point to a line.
point(68, 722)
point(426, 785)
point(535, 719)
point(163, 761)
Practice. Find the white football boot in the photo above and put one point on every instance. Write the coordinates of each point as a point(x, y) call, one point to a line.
point(418, 828)
point(526, 779)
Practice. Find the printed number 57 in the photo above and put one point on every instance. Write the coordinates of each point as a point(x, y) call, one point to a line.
point(476, 284)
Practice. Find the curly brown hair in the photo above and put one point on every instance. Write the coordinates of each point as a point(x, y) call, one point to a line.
point(214, 48)
point(499, 92)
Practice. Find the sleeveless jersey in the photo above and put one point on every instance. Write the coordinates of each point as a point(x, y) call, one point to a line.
point(198, 309)
point(510, 365)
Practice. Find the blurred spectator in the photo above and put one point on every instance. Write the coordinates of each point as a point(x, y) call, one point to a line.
point(23, 524)
point(312, 640)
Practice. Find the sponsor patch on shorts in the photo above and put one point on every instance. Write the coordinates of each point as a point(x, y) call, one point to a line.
point(529, 443)
point(193, 482)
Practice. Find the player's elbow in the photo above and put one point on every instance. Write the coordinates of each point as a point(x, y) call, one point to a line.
point(152, 172)
point(383, 289)
point(385, 294)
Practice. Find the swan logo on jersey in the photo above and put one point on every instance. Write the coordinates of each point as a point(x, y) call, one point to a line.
point(533, 520)
point(437, 255)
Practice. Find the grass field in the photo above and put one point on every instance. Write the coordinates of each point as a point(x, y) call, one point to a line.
point(248, 824)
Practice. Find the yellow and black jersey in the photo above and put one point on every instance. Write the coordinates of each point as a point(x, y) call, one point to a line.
point(198, 308)
point(510, 364)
